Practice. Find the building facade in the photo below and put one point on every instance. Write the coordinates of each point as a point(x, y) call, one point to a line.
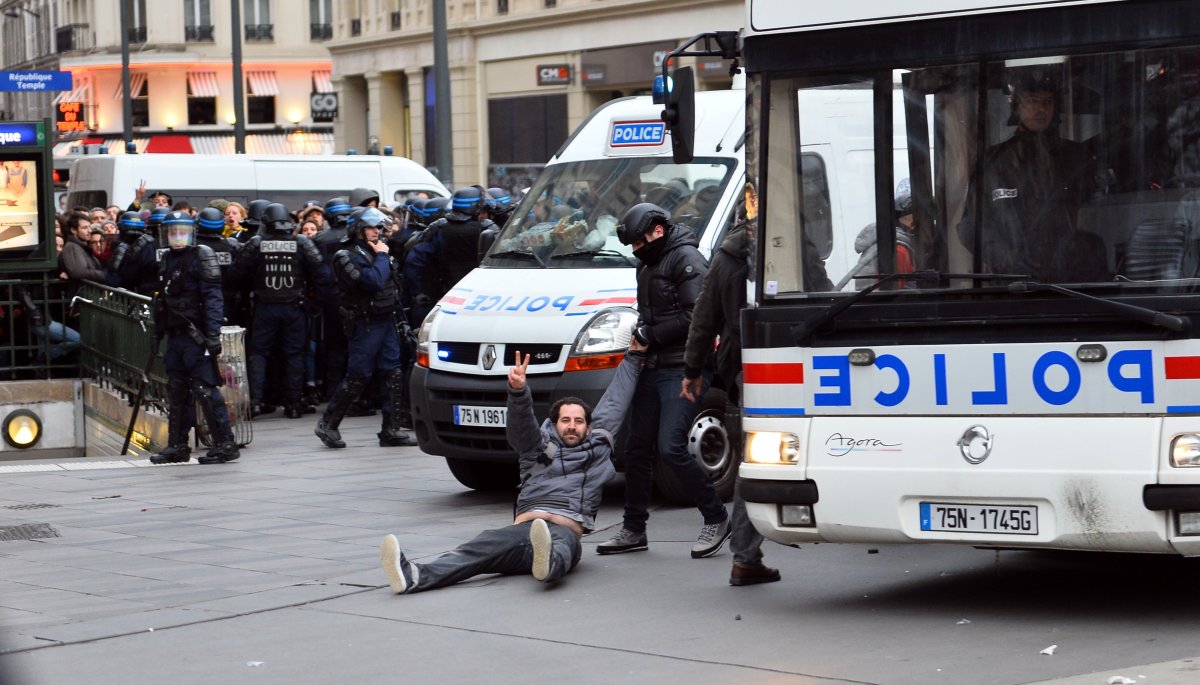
point(523, 73)
point(181, 72)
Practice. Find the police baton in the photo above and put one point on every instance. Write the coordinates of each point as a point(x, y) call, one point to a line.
point(141, 393)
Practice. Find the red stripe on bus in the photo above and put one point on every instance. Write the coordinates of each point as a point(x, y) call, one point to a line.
point(773, 373)
point(1182, 368)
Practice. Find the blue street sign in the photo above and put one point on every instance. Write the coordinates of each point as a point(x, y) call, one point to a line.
point(35, 81)
point(12, 135)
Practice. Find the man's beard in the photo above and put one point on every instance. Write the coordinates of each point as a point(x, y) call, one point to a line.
point(571, 438)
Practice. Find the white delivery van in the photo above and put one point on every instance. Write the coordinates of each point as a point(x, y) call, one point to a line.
point(101, 180)
point(558, 285)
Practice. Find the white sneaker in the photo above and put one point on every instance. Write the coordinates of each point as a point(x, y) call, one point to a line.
point(399, 571)
point(712, 536)
point(539, 537)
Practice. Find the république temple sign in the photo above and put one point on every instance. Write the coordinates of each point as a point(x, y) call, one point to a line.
point(35, 81)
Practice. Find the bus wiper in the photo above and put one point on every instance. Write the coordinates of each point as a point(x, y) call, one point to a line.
point(593, 253)
point(1133, 311)
point(803, 331)
point(522, 252)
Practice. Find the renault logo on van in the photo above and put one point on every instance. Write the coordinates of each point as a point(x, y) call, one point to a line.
point(489, 357)
point(976, 444)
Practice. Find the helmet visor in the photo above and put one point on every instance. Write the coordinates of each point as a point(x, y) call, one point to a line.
point(178, 236)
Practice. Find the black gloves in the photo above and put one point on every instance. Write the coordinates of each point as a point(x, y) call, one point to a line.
point(213, 345)
point(643, 335)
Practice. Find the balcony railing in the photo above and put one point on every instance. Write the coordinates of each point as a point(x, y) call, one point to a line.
point(72, 37)
point(137, 34)
point(320, 31)
point(395, 21)
point(260, 32)
point(198, 33)
point(355, 27)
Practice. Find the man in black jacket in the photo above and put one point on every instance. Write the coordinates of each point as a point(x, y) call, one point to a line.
point(668, 280)
point(717, 314)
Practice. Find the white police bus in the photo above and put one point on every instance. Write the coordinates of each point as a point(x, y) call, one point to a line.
point(1034, 381)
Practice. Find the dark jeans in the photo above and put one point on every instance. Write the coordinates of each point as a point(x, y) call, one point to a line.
point(506, 551)
point(278, 328)
point(659, 416)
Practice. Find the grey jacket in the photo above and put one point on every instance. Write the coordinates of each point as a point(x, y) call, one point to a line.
point(562, 480)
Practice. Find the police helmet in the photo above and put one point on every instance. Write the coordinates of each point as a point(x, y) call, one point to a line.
point(336, 210)
point(210, 221)
point(131, 225)
point(156, 217)
point(436, 207)
point(467, 200)
point(178, 230)
point(362, 197)
point(255, 211)
point(366, 217)
point(502, 198)
point(640, 219)
point(275, 217)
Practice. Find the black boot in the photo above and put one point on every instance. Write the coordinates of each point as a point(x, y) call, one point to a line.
point(346, 393)
point(226, 451)
point(294, 411)
point(391, 434)
point(174, 454)
point(258, 409)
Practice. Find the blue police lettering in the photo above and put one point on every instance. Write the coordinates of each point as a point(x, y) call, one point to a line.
point(1000, 394)
point(1143, 382)
point(892, 362)
point(650, 133)
point(562, 303)
point(540, 303)
point(516, 306)
point(1068, 364)
point(939, 380)
point(840, 380)
point(476, 302)
point(490, 303)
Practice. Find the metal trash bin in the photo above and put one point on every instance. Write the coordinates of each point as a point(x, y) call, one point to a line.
point(236, 390)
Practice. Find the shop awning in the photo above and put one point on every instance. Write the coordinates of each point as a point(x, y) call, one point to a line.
point(322, 82)
point(137, 80)
point(81, 93)
point(262, 83)
point(170, 145)
point(203, 84)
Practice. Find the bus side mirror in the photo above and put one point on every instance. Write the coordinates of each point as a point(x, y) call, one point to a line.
point(680, 115)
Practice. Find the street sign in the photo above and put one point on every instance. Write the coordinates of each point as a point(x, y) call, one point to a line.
point(35, 81)
point(323, 106)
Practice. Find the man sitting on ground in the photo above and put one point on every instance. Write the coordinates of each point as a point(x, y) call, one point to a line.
point(564, 465)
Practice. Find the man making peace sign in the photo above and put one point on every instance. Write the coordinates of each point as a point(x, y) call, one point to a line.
point(564, 463)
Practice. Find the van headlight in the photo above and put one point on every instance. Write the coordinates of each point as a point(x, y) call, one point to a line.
point(602, 342)
point(770, 447)
point(423, 336)
point(1185, 450)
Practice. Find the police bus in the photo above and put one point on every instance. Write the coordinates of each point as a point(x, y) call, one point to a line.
point(1032, 378)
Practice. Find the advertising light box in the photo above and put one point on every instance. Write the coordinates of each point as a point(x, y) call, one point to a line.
point(26, 213)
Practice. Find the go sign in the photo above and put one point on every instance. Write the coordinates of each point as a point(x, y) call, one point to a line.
point(324, 106)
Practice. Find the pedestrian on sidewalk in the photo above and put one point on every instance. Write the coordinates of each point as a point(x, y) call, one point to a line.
point(669, 274)
point(717, 315)
point(564, 465)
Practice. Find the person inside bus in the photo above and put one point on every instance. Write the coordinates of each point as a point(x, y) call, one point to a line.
point(1031, 189)
point(868, 262)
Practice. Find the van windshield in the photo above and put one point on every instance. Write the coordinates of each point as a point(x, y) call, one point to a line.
point(569, 217)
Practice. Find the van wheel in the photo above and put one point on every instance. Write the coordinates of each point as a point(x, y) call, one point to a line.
point(712, 444)
point(484, 475)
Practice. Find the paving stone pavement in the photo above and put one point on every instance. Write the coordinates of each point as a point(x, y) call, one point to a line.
point(265, 570)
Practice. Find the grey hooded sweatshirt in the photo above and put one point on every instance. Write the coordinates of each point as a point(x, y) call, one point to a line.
point(562, 480)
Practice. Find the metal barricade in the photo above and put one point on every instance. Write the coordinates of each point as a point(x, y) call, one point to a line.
point(236, 389)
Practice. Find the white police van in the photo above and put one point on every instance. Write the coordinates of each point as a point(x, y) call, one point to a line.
point(558, 285)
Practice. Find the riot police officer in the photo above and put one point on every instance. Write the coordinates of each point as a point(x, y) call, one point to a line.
point(446, 251)
point(332, 338)
point(188, 314)
point(279, 267)
point(364, 197)
point(209, 224)
point(504, 205)
point(369, 297)
point(253, 223)
point(134, 262)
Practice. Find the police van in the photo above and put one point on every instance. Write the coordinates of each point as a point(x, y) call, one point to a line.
point(101, 180)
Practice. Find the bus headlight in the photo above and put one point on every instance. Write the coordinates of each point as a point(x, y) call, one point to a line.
point(769, 447)
point(1185, 450)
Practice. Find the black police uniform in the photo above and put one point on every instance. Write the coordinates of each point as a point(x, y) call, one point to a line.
point(188, 313)
point(279, 268)
point(134, 261)
point(209, 225)
point(369, 296)
point(331, 337)
point(445, 252)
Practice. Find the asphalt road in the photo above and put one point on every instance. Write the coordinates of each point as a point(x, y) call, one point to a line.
point(266, 571)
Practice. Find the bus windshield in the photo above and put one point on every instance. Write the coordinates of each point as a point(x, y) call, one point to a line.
point(1073, 169)
point(569, 217)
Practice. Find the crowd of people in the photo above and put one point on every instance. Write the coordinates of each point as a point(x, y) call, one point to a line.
point(329, 292)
